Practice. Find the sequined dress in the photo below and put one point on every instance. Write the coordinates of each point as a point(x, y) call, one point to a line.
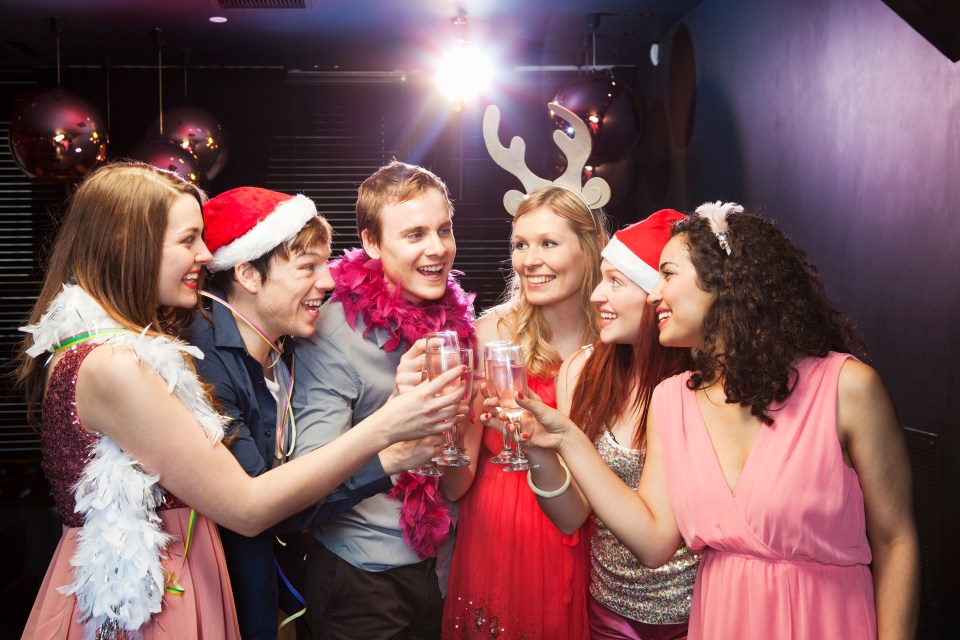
point(204, 610)
point(514, 575)
point(785, 554)
point(617, 579)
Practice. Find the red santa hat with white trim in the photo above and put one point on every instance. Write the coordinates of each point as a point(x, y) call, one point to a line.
point(243, 224)
point(635, 250)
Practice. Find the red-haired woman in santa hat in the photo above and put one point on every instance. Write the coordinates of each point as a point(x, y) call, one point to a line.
point(605, 389)
point(130, 440)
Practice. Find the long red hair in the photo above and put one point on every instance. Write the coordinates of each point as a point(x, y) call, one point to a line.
point(619, 378)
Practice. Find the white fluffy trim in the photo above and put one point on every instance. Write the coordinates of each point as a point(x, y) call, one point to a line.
point(118, 578)
point(118, 575)
point(630, 264)
point(278, 227)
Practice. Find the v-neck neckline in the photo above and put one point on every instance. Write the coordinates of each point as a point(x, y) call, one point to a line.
point(716, 458)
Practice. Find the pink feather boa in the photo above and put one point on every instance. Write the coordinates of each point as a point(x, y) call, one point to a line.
point(424, 519)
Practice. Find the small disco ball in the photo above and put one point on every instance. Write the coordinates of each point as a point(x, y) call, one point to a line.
point(57, 136)
point(197, 132)
point(611, 112)
point(170, 157)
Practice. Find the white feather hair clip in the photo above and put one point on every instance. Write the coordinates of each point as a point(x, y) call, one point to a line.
point(716, 213)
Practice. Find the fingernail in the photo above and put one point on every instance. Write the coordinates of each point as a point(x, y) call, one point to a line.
point(520, 394)
point(485, 416)
point(524, 436)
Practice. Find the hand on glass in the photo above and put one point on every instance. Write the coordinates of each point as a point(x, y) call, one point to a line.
point(410, 454)
point(542, 426)
point(412, 367)
point(426, 409)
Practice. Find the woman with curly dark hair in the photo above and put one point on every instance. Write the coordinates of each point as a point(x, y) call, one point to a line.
point(779, 457)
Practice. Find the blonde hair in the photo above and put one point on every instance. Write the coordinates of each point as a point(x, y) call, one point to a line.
point(525, 321)
point(110, 243)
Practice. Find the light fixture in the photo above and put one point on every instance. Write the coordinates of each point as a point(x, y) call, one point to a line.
point(57, 136)
point(217, 19)
point(465, 71)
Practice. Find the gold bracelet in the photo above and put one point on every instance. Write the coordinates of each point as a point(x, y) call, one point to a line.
point(556, 492)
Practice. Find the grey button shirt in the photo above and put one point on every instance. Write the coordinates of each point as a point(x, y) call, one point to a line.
point(341, 378)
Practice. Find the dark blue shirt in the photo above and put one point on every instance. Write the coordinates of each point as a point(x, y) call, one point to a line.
point(243, 395)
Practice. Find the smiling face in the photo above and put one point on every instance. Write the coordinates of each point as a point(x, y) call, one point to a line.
point(416, 246)
point(184, 253)
point(620, 302)
point(288, 300)
point(547, 257)
point(680, 302)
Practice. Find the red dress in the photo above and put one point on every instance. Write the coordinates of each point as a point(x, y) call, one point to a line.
point(514, 574)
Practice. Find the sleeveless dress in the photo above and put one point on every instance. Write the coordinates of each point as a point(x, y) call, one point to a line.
point(204, 610)
point(785, 555)
point(636, 601)
point(514, 575)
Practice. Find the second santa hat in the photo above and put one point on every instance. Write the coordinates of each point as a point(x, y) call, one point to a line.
point(243, 224)
point(635, 250)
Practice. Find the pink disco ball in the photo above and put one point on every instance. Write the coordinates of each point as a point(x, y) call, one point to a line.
point(197, 132)
point(610, 110)
point(57, 136)
point(164, 155)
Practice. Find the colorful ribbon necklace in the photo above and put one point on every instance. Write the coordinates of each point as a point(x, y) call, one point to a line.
point(283, 449)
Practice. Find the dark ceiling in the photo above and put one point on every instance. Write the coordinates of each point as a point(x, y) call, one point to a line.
point(353, 35)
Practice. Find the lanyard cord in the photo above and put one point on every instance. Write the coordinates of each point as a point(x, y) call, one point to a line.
point(283, 449)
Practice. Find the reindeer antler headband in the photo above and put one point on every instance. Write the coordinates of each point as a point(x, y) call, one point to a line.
point(594, 193)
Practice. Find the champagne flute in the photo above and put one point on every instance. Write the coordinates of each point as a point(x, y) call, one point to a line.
point(443, 354)
point(489, 350)
point(509, 379)
point(452, 455)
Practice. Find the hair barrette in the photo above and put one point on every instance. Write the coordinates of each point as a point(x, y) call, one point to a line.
point(716, 214)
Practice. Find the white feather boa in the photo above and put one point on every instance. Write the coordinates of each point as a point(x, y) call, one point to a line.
point(118, 576)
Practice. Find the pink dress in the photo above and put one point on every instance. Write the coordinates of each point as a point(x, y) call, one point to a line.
point(514, 575)
point(205, 609)
point(785, 555)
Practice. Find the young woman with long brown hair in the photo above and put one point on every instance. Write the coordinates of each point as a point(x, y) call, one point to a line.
point(130, 440)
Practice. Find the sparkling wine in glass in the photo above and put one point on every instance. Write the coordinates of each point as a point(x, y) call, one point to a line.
point(510, 378)
point(443, 353)
point(489, 350)
point(452, 455)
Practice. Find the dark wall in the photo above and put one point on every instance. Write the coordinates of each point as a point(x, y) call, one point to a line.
point(841, 122)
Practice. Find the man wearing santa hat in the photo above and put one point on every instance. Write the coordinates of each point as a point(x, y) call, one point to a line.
point(269, 279)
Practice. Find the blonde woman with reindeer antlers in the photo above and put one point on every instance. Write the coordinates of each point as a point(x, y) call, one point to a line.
point(514, 574)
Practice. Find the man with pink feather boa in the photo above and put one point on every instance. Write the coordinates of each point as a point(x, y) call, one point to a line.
point(372, 572)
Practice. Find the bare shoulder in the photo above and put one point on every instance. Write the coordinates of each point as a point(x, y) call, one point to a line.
point(571, 368)
point(109, 369)
point(568, 376)
point(864, 406)
point(493, 325)
point(859, 383)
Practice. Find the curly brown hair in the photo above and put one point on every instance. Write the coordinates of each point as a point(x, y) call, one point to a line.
point(770, 311)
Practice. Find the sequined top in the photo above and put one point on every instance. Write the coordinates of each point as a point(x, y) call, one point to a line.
point(65, 444)
point(617, 579)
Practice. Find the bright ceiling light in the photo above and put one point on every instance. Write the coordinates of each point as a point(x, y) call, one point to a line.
point(218, 19)
point(464, 73)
